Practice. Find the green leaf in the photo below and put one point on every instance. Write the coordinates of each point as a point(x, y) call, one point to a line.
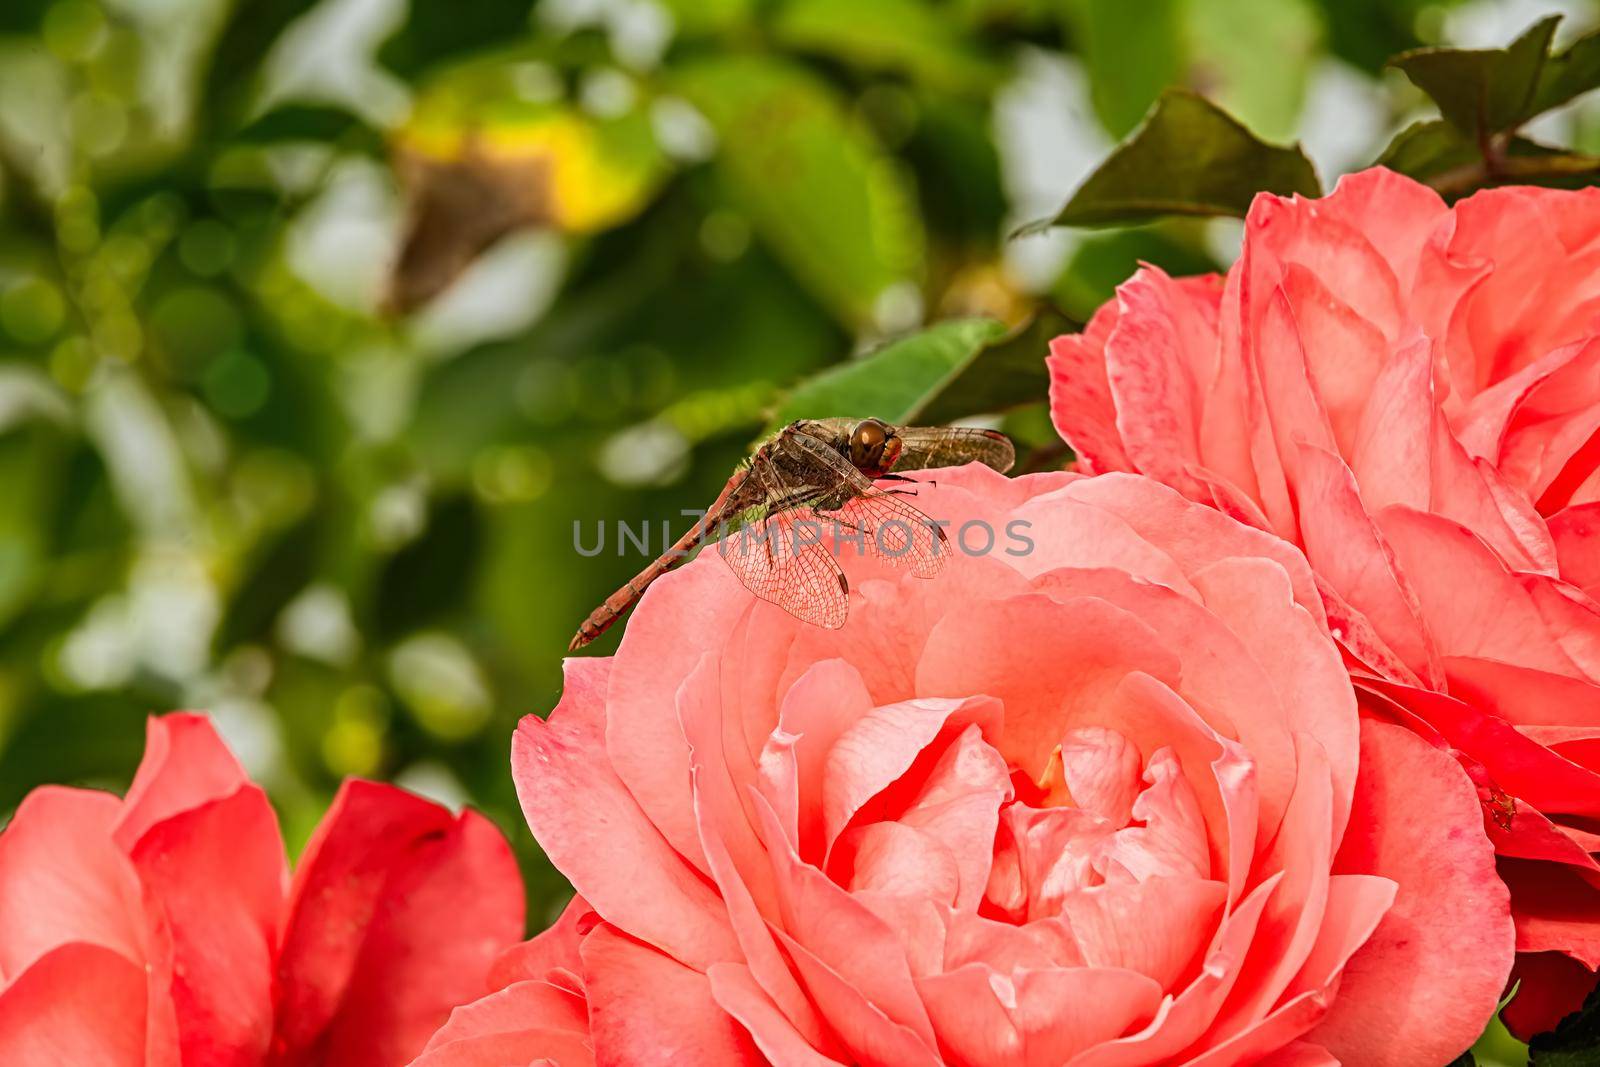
point(1253, 58)
point(433, 31)
point(1028, 14)
point(1496, 1046)
point(1103, 261)
point(433, 574)
point(252, 28)
point(818, 188)
point(1188, 158)
point(1426, 149)
point(1484, 91)
point(1488, 91)
point(900, 381)
point(312, 122)
point(1569, 73)
point(1132, 51)
point(1004, 374)
point(1466, 1059)
point(903, 36)
point(1367, 33)
point(94, 737)
point(1438, 153)
point(283, 566)
point(700, 17)
point(1575, 1042)
point(31, 466)
point(958, 167)
point(22, 16)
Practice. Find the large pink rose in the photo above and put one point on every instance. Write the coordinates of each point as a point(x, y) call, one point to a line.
point(162, 928)
point(1105, 802)
point(1411, 394)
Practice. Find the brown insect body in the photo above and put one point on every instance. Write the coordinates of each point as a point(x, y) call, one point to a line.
point(818, 469)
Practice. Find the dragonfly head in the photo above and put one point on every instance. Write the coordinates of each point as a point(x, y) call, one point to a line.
point(874, 447)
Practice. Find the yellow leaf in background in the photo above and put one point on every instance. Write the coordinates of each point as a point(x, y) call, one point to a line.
point(598, 177)
point(476, 164)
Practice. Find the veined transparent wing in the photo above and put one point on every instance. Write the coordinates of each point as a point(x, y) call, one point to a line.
point(776, 545)
point(865, 518)
point(922, 447)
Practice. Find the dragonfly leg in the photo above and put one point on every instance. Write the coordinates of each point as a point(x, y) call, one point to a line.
point(903, 478)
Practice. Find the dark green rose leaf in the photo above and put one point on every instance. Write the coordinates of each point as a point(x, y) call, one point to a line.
point(1438, 153)
point(1487, 91)
point(1482, 91)
point(1188, 158)
point(1426, 149)
point(1575, 1042)
point(901, 380)
point(1005, 373)
point(1570, 73)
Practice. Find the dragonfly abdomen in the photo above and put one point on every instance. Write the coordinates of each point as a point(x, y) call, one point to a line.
point(615, 605)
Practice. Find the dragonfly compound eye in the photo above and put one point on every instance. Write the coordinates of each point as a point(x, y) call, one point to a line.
point(867, 444)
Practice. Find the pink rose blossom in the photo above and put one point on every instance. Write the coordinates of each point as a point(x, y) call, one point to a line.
point(1105, 803)
point(162, 928)
point(1410, 393)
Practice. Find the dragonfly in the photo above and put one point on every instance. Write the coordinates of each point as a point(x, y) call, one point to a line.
point(811, 477)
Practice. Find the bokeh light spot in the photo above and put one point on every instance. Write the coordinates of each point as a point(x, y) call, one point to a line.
point(207, 247)
point(237, 385)
point(32, 311)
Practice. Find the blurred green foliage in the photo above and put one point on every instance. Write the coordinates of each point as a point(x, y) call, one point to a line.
point(326, 324)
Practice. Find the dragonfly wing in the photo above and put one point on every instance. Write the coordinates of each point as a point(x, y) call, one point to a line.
point(873, 521)
point(784, 562)
point(777, 551)
point(922, 447)
point(882, 524)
